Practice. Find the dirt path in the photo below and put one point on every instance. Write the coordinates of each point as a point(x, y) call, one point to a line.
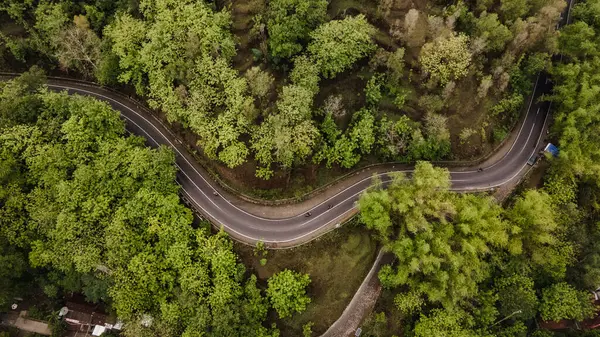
point(20, 322)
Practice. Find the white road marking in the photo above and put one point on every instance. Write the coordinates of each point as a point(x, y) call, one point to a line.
point(354, 195)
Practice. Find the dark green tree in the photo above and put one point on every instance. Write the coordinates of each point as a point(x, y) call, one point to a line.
point(290, 22)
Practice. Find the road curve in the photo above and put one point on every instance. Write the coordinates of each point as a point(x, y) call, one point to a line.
point(246, 226)
point(241, 224)
point(199, 188)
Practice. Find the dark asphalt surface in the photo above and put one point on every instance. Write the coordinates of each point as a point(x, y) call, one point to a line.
point(198, 187)
point(243, 225)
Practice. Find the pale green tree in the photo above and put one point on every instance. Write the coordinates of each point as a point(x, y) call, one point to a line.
point(535, 234)
point(446, 323)
point(50, 21)
point(362, 131)
point(441, 240)
point(395, 63)
point(446, 58)
point(259, 81)
point(128, 35)
point(305, 74)
point(338, 44)
point(289, 135)
point(495, 34)
point(219, 110)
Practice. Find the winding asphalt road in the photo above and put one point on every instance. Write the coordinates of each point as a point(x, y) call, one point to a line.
point(199, 188)
point(245, 226)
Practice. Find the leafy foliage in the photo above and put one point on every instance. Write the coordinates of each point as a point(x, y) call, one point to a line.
point(562, 301)
point(287, 293)
point(517, 293)
point(127, 35)
point(492, 31)
point(98, 213)
point(338, 44)
point(259, 81)
point(210, 98)
point(535, 232)
point(179, 56)
point(413, 219)
point(288, 136)
point(345, 149)
point(290, 23)
point(445, 323)
point(446, 59)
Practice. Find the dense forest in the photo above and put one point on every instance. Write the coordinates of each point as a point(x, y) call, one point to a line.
point(86, 209)
point(298, 83)
point(468, 267)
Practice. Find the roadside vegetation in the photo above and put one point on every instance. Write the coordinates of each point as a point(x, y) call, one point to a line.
point(85, 209)
point(283, 91)
point(281, 88)
point(337, 264)
point(467, 266)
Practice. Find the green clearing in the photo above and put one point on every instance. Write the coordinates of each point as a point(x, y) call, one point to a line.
point(337, 264)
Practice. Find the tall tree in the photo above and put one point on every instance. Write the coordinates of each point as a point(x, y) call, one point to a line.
point(495, 34)
point(441, 240)
point(445, 323)
point(338, 44)
point(286, 291)
point(446, 59)
point(535, 233)
point(290, 22)
point(289, 135)
point(562, 301)
point(127, 35)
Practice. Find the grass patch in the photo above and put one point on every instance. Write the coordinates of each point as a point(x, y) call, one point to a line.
point(337, 264)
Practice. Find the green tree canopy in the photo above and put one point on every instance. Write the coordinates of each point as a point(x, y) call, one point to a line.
point(446, 59)
point(517, 292)
point(562, 301)
point(287, 292)
point(189, 75)
point(99, 213)
point(535, 233)
point(441, 240)
point(445, 323)
point(338, 44)
point(128, 35)
point(492, 31)
point(290, 23)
